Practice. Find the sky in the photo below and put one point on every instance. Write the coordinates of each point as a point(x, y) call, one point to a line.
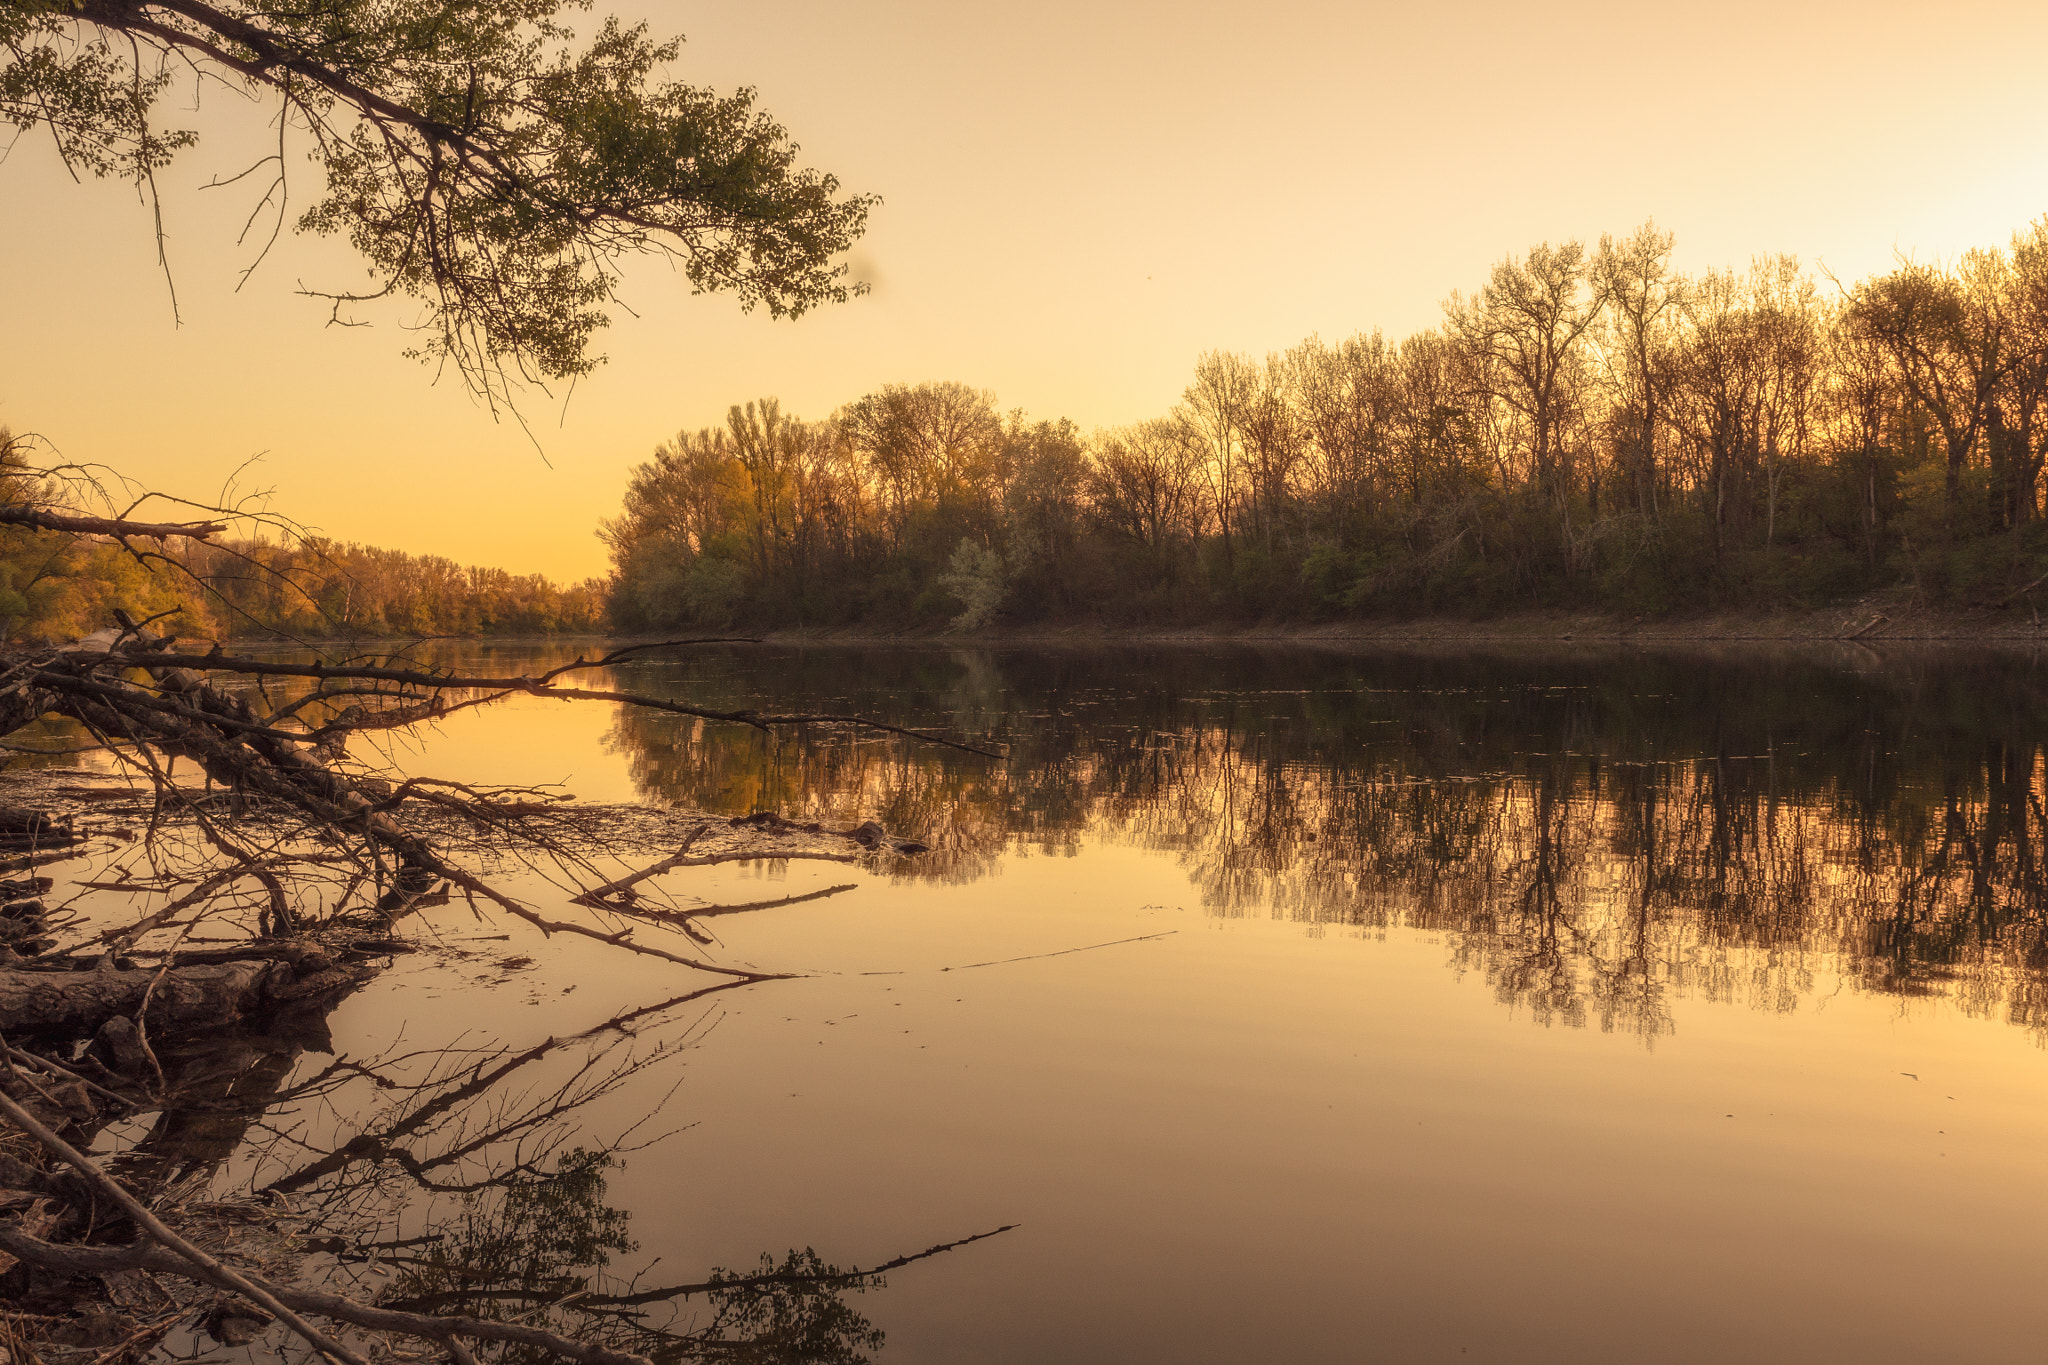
point(1078, 201)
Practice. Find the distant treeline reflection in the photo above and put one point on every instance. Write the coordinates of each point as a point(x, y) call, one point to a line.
point(1594, 833)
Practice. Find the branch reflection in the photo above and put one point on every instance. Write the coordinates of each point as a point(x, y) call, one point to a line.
point(1591, 832)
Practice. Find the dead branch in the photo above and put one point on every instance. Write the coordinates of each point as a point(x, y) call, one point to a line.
point(601, 897)
point(282, 795)
point(22, 1058)
point(2020, 592)
point(89, 1260)
point(788, 1278)
point(706, 911)
point(188, 1260)
point(621, 939)
point(539, 686)
point(77, 1003)
point(118, 528)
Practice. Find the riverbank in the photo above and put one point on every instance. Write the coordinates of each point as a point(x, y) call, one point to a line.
point(1871, 622)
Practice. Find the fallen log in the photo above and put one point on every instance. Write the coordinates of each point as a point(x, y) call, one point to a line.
point(77, 1003)
point(34, 829)
point(24, 930)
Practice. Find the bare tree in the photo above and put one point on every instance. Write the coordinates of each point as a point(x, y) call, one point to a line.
point(1217, 409)
point(1527, 323)
point(1950, 339)
point(1642, 293)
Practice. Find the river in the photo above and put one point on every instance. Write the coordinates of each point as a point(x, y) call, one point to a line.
point(1316, 1006)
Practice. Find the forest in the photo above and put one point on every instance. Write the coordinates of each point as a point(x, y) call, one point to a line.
point(57, 585)
point(1589, 429)
point(372, 996)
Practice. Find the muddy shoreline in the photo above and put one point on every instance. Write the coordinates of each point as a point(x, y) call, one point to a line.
point(1873, 622)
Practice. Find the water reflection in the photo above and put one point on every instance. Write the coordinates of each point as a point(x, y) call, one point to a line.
point(473, 1182)
point(1592, 833)
point(459, 1180)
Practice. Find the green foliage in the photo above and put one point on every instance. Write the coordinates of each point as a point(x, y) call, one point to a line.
point(712, 590)
point(481, 159)
point(59, 586)
point(324, 589)
point(975, 576)
point(784, 1324)
point(67, 585)
point(533, 1249)
point(68, 77)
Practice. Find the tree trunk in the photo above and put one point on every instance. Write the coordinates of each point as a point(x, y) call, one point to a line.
point(77, 1003)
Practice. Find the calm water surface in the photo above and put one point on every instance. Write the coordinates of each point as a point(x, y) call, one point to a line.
point(1585, 1006)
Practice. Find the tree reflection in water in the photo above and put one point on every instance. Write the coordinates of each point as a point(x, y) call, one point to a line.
point(470, 1148)
point(453, 1181)
point(1590, 831)
point(541, 1244)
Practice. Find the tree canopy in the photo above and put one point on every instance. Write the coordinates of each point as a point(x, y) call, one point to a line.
point(481, 158)
point(1591, 429)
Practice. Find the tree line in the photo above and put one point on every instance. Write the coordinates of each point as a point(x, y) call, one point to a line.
point(59, 585)
point(318, 588)
point(1590, 428)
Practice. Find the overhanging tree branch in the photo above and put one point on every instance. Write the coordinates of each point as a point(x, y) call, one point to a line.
point(479, 158)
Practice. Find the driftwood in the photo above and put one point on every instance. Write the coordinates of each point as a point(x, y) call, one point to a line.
point(485, 1098)
point(2020, 592)
point(77, 1003)
point(279, 815)
point(706, 911)
point(191, 1258)
point(32, 831)
point(109, 1260)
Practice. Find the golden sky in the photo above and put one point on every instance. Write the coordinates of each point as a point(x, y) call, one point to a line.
point(1079, 199)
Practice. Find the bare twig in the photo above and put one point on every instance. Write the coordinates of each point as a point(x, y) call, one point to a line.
point(182, 1258)
point(281, 1300)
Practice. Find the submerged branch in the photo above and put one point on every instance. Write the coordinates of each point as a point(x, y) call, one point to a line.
point(181, 1256)
point(787, 1277)
point(93, 1260)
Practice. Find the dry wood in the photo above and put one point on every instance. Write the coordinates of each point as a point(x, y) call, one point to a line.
point(541, 686)
point(18, 1056)
point(187, 1258)
point(605, 897)
point(171, 709)
point(792, 1277)
point(705, 911)
point(36, 1221)
point(43, 519)
point(2021, 592)
point(109, 1260)
point(77, 1003)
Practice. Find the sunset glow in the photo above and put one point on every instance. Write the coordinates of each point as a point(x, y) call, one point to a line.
point(1076, 205)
